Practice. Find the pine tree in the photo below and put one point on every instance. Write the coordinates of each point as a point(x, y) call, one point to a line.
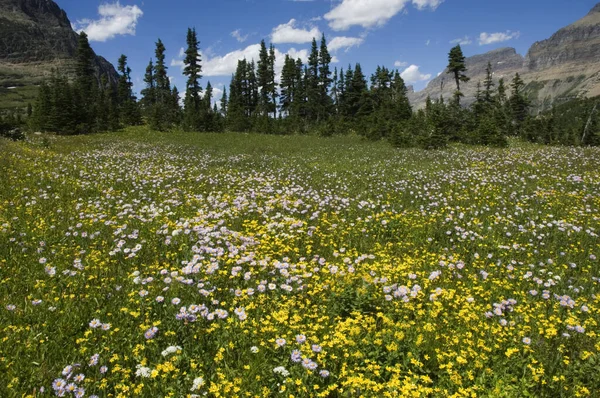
point(149, 92)
point(311, 81)
point(263, 79)
point(324, 79)
point(334, 91)
point(456, 66)
point(161, 79)
point(288, 85)
point(86, 85)
point(193, 69)
point(488, 83)
point(224, 103)
point(272, 84)
point(127, 109)
point(518, 103)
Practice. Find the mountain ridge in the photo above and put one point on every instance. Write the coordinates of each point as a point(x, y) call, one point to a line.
point(36, 37)
point(564, 66)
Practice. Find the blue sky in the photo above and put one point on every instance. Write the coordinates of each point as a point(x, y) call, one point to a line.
point(414, 35)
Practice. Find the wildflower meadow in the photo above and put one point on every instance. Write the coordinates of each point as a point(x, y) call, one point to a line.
point(142, 264)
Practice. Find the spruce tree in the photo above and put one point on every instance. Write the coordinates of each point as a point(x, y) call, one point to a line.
point(488, 84)
point(288, 85)
point(272, 84)
point(224, 103)
point(457, 67)
point(311, 79)
point(192, 115)
point(263, 79)
point(324, 79)
point(149, 92)
point(518, 103)
point(86, 85)
point(127, 109)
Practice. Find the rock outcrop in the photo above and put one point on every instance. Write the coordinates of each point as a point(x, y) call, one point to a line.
point(35, 37)
point(565, 66)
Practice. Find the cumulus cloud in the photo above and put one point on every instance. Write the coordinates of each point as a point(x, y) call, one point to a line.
point(288, 33)
point(237, 34)
point(491, 38)
point(114, 20)
point(344, 42)
point(463, 41)
point(225, 65)
point(400, 64)
point(412, 74)
point(371, 13)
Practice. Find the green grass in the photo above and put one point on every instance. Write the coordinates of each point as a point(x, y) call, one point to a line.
point(465, 272)
point(17, 98)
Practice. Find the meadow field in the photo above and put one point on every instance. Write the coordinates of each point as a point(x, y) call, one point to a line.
point(140, 264)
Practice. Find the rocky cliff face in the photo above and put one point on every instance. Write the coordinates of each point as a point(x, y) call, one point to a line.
point(505, 62)
point(35, 37)
point(564, 66)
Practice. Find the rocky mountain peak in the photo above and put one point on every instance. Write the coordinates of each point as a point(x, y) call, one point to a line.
point(36, 36)
point(595, 10)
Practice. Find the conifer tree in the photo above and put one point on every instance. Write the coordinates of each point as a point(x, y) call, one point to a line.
point(86, 85)
point(288, 85)
point(161, 79)
point(224, 103)
point(488, 84)
point(311, 82)
point(149, 92)
point(518, 103)
point(324, 81)
point(127, 110)
point(263, 79)
point(334, 91)
point(192, 117)
point(457, 67)
point(272, 86)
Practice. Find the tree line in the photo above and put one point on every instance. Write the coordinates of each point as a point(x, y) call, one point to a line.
point(307, 98)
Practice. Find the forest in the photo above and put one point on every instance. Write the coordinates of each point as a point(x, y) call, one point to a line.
point(306, 98)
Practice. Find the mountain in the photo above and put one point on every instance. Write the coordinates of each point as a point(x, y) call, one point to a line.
point(35, 37)
point(565, 66)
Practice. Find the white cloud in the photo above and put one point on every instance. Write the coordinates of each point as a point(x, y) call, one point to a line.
point(428, 42)
point(400, 64)
point(237, 34)
point(344, 42)
point(115, 20)
point(463, 41)
point(288, 33)
point(491, 38)
point(371, 13)
point(225, 65)
point(422, 4)
point(412, 74)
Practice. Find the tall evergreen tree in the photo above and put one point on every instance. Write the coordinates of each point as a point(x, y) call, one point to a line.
point(86, 85)
point(457, 67)
point(224, 103)
point(192, 116)
point(311, 83)
point(127, 110)
point(161, 79)
point(488, 84)
point(149, 92)
point(518, 103)
point(324, 79)
point(263, 79)
point(272, 86)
